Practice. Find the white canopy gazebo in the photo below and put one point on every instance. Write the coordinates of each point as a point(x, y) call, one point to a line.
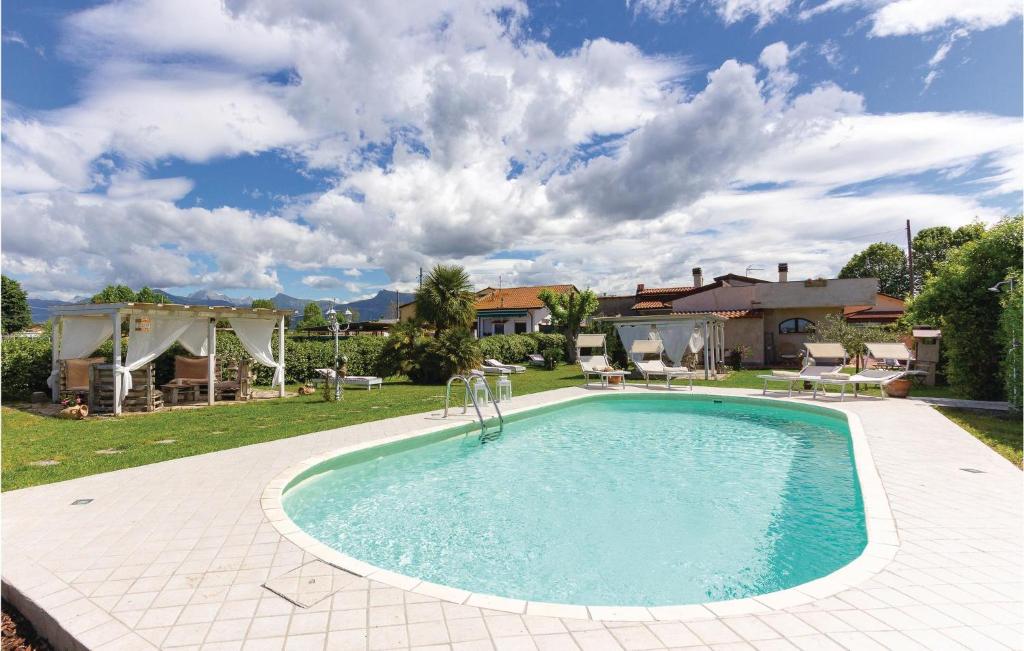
point(678, 333)
point(78, 330)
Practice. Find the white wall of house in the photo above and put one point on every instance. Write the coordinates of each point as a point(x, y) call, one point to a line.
point(529, 323)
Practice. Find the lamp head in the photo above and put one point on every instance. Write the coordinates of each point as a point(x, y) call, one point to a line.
point(348, 314)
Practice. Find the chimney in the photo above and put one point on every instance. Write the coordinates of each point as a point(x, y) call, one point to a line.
point(639, 288)
point(783, 271)
point(698, 277)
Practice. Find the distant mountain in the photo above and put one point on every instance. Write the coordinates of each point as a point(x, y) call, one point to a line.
point(381, 306)
point(40, 307)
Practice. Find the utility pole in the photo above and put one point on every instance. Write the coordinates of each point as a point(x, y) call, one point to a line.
point(910, 259)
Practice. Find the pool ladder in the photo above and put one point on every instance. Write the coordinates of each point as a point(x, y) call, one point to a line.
point(471, 396)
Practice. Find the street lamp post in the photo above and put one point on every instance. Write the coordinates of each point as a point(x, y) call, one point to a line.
point(337, 329)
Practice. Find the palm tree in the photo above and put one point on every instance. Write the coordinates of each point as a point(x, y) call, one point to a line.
point(446, 298)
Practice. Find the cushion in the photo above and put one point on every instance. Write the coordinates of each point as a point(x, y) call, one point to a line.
point(835, 376)
point(785, 374)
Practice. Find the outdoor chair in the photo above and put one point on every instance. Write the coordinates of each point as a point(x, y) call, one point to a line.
point(74, 374)
point(656, 367)
point(806, 374)
point(535, 359)
point(877, 377)
point(515, 368)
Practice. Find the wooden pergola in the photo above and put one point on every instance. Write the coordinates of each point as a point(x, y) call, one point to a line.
point(117, 312)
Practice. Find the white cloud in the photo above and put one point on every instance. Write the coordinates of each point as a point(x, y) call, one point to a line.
point(622, 173)
point(905, 17)
point(729, 11)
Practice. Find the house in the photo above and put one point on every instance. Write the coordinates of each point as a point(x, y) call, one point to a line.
point(507, 310)
point(514, 310)
point(886, 310)
point(771, 319)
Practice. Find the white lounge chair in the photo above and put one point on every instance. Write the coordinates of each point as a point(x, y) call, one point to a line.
point(656, 367)
point(806, 374)
point(535, 359)
point(368, 381)
point(515, 368)
point(878, 377)
point(493, 370)
point(891, 354)
point(596, 365)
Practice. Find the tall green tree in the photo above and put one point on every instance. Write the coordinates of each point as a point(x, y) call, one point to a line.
point(147, 295)
point(932, 246)
point(883, 261)
point(14, 309)
point(446, 299)
point(114, 294)
point(312, 316)
point(568, 311)
point(957, 299)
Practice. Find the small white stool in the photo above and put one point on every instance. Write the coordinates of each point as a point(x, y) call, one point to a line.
point(504, 388)
point(479, 387)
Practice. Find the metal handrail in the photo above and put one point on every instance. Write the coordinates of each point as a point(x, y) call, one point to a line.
point(470, 396)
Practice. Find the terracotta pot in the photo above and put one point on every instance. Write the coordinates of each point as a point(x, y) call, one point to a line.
point(306, 390)
point(77, 412)
point(898, 388)
point(615, 379)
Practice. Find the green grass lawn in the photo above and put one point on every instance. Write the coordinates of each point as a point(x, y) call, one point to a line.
point(1000, 431)
point(28, 437)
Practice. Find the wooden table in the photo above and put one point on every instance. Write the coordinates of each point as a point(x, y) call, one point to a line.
point(174, 387)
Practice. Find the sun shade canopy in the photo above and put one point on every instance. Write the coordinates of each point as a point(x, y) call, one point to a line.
point(590, 341)
point(825, 351)
point(646, 347)
point(888, 351)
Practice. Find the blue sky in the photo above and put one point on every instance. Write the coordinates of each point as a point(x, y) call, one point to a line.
point(335, 150)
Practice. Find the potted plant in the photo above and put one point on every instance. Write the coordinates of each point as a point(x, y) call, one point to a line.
point(736, 355)
point(898, 388)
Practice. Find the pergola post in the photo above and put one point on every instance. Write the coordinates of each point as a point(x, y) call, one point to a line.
point(55, 357)
point(211, 360)
point(117, 361)
point(707, 345)
point(280, 353)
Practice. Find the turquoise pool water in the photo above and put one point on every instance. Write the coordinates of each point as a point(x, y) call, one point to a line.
point(629, 501)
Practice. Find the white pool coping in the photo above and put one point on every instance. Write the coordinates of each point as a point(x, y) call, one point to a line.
point(881, 547)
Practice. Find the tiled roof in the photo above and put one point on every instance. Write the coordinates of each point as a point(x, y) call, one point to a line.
point(522, 298)
point(725, 314)
point(651, 305)
point(648, 291)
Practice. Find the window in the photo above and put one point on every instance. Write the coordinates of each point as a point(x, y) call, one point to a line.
point(520, 327)
point(796, 326)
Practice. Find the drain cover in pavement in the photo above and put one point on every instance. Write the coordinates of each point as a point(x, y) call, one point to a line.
point(309, 583)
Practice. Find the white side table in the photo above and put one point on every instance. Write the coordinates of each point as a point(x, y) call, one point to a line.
point(504, 388)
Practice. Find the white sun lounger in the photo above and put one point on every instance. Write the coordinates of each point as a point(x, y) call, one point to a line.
point(536, 359)
point(592, 365)
point(493, 370)
point(515, 368)
point(877, 377)
point(656, 367)
point(806, 374)
point(368, 381)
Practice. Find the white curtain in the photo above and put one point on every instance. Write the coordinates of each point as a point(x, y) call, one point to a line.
point(79, 337)
point(146, 345)
point(629, 333)
point(194, 339)
point(256, 335)
point(679, 337)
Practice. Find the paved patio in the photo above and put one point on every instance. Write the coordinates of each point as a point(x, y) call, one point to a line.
point(173, 555)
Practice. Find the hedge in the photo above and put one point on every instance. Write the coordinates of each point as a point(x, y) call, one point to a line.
point(511, 349)
point(25, 363)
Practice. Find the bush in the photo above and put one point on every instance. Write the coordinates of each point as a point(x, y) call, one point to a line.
point(25, 365)
point(956, 298)
point(549, 341)
point(508, 348)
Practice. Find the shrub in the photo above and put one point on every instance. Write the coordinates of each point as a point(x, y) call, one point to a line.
point(957, 299)
point(25, 365)
point(547, 341)
point(508, 348)
point(1011, 333)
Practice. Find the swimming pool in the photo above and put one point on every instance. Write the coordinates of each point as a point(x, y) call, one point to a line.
point(612, 500)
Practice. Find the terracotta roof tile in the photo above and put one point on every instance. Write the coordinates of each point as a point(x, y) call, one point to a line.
point(647, 291)
point(725, 314)
point(651, 305)
point(522, 298)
